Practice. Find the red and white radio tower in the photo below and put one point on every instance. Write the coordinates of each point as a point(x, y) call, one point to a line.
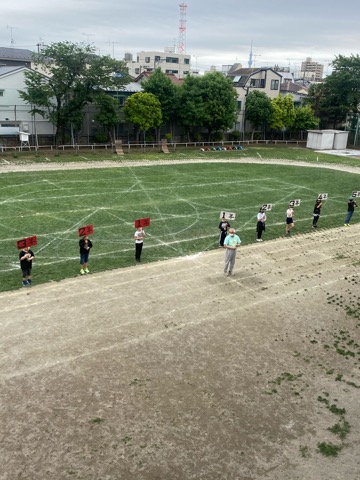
point(182, 29)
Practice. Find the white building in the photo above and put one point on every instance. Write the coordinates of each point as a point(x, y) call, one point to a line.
point(168, 61)
point(15, 113)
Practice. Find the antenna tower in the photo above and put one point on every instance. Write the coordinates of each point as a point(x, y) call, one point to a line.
point(12, 43)
point(182, 29)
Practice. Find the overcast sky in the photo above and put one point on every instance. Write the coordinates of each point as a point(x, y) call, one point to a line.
point(217, 32)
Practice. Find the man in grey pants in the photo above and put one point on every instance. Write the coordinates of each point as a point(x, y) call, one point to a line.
point(231, 243)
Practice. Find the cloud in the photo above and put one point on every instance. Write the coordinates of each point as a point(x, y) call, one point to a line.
point(216, 32)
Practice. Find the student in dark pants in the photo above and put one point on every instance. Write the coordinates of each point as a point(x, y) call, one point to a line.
point(139, 241)
point(316, 213)
point(351, 207)
point(260, 225)
point(85, 246)
point(26, 256)
point(224, 226)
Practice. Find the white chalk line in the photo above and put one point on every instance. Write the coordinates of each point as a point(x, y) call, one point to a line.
point(146, 192)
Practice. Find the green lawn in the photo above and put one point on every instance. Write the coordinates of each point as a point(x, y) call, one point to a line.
point(183, 200)
point(260, 151)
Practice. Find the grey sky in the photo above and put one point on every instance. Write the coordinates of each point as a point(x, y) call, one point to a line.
point(217, 32)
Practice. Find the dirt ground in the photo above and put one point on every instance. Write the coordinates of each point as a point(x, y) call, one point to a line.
point(172, 371)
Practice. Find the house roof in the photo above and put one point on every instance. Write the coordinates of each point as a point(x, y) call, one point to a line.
point(132, 87)
point(146, 75)
point(15, 54)
point(6, 70)
point(241, 75)
point(292, 87)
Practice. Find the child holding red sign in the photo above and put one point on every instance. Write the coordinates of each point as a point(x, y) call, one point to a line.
point(26, 256)
point(139, 241)
point(85, 245)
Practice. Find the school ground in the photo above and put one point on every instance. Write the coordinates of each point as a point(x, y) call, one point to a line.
point(172, 371)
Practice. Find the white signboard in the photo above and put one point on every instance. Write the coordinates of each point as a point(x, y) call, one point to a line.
point(227, 215)
point(322, 196)
point(295, 203)
point(267, 207)
point(355, 194)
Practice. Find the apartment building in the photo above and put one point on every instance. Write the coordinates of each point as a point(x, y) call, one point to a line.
point(168, 61)
point(311, 71)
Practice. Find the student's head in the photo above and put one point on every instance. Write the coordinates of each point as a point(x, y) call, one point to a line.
point(232, 231)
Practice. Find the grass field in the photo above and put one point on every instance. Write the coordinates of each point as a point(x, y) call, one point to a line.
point(296, 152)
point(183, 201)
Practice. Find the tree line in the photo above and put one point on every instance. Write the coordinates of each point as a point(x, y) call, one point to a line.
point(68, 76)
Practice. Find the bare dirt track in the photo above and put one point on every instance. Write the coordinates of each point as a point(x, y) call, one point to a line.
point(171, 371)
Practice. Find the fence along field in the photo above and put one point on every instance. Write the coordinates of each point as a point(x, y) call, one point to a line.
point(183, 202)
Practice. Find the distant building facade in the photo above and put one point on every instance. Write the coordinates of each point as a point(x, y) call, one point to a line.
point(168, 61)
point(246, 80)
point(312, 71)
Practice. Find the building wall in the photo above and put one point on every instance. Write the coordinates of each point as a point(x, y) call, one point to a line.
point(14, 110)
point(312, 71)
point(168, 62)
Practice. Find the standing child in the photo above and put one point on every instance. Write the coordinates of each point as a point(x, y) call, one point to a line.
point(26, 256)
point(289, 220)
point(224, 226)
point(139, 241)
point(351, 207)
point(316, 213)
point(260, 225)
point(85, 246)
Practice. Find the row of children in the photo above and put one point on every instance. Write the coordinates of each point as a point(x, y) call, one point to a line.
point(224, 224)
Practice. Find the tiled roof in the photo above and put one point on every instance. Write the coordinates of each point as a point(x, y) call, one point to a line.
point(6, 70)
point(15, 54)
point(293, 87)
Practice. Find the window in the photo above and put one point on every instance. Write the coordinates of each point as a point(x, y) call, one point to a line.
point(147, 59)
point(236, 79)
point(274, 85)
point(137, 71)
point(172, 60)
point(238, 105)
point(172, 71)
point(187, 61)
point(1, 93)
point(257, 82)
point(157, 58)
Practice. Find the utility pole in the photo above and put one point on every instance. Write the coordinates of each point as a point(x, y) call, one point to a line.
point(12, 43)
point(256, 55)
point(88, 35)
point(113, 43)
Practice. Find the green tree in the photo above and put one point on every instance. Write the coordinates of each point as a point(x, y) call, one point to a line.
point(191, 105)
point(283, 113)
point(304, 119)
point(165, 91)
point(73, 75)
point(108, 114)
point(220, 103)
point(340, 92)
point(143, 110)
point(258, 109)
point(207, 102)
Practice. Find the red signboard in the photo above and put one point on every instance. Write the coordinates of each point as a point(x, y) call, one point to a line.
point(142, 222)
point(26, 242)
point(87, 230)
